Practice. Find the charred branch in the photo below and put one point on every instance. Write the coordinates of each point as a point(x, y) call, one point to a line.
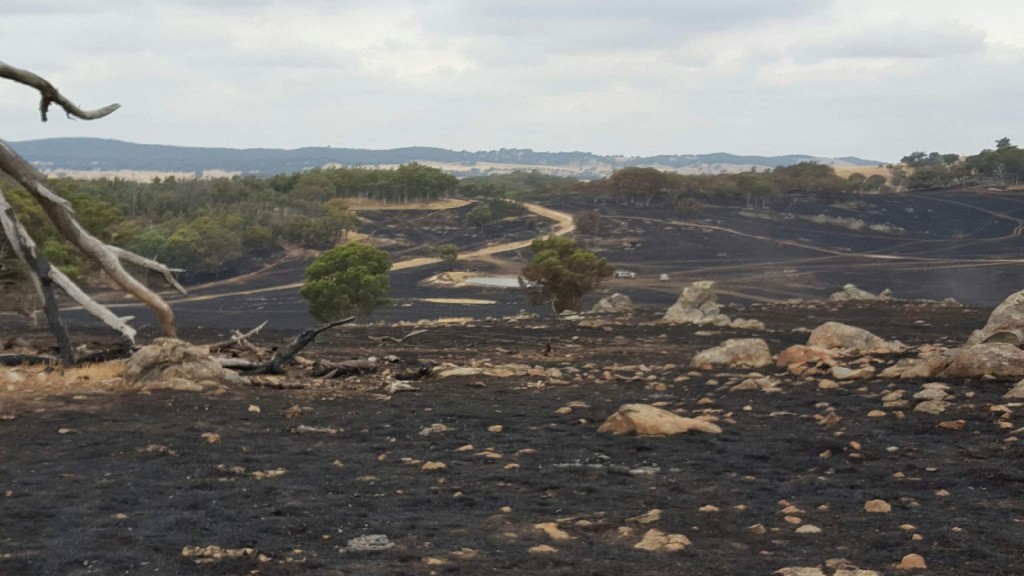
point(276, 364)
point(19, 359)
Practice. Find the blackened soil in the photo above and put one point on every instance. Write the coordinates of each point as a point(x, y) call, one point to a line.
point(132, 481)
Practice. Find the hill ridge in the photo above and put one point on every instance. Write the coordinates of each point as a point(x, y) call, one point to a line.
point(100, 154)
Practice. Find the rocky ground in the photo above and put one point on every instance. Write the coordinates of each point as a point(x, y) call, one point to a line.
point(496, 463)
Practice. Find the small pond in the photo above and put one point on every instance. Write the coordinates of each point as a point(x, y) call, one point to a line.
point(493, 281)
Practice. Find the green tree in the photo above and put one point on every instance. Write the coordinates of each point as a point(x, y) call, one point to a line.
point(561, 273)
point(479, 216)
point(448, 253)
point(346, 280)
point(874, 182)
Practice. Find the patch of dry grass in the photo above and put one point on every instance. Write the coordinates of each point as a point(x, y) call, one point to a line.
point(846, 171)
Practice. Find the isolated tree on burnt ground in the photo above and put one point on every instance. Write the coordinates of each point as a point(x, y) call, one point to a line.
point(561, 273)
point(448, 253)
point(479, 216)
point(347, 280)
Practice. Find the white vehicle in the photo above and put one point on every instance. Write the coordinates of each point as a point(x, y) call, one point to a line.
point(624, 274)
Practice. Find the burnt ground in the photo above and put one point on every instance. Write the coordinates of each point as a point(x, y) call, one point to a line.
point(119, 483)
point(966, 245)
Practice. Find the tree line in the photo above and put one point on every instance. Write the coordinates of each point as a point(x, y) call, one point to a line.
point(1001, 166)
point(653, 187)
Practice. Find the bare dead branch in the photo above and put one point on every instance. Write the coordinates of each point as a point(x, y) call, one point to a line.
point(144, 262)
point(24, 247)
point(235, 363)
point(50, 95)
point(276, 364)
point(40, 272)
point(238, 337)
point(59, 212)
point(396, 340)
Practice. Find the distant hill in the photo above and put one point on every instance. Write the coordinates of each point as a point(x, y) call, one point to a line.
point(75, 155)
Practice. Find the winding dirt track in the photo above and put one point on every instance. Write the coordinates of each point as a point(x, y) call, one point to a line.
point(563, 225)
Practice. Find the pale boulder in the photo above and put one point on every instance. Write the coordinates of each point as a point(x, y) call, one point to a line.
point(646, 420)
point(1005, 324)
point(999, 360)
point(616, 303)
point(836, 335)
point(1016, 393)
point(697, 304)
point(736, 352)
point(169, 362)
point(799, 354)
point(851, 292)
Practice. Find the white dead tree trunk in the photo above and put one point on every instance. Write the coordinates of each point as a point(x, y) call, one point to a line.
point(59, 211)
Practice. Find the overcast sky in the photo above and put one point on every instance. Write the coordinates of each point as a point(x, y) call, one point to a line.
point(870, 78)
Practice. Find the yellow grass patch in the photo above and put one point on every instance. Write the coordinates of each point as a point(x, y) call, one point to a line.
point(96, 372)
point(367, 205)
point(846, 171)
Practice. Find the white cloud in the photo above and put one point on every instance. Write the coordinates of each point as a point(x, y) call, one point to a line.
point(829, 77)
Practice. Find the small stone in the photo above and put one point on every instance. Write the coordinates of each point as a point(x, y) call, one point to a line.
point(708, 508)
point(254, 408)
point(953, 424)
point(553, 531)
point(942, 493)
point(800, 571)
point(757, 529)
point(542, 549)
point(433, 466)
point(465, 448)
point(211, 437)
point(368, 543)
point(496, 429)
point(808, 529)
point(931, 407)
point(912, 562)
point(877, 507)
point(648, 517)
point(877, 414)
point(657, 541)
point(563, 411)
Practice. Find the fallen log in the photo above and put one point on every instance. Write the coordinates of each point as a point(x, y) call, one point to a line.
point(325, 369)
point(19, 359)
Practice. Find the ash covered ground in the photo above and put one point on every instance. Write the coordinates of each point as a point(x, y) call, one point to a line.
point(95, 480)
